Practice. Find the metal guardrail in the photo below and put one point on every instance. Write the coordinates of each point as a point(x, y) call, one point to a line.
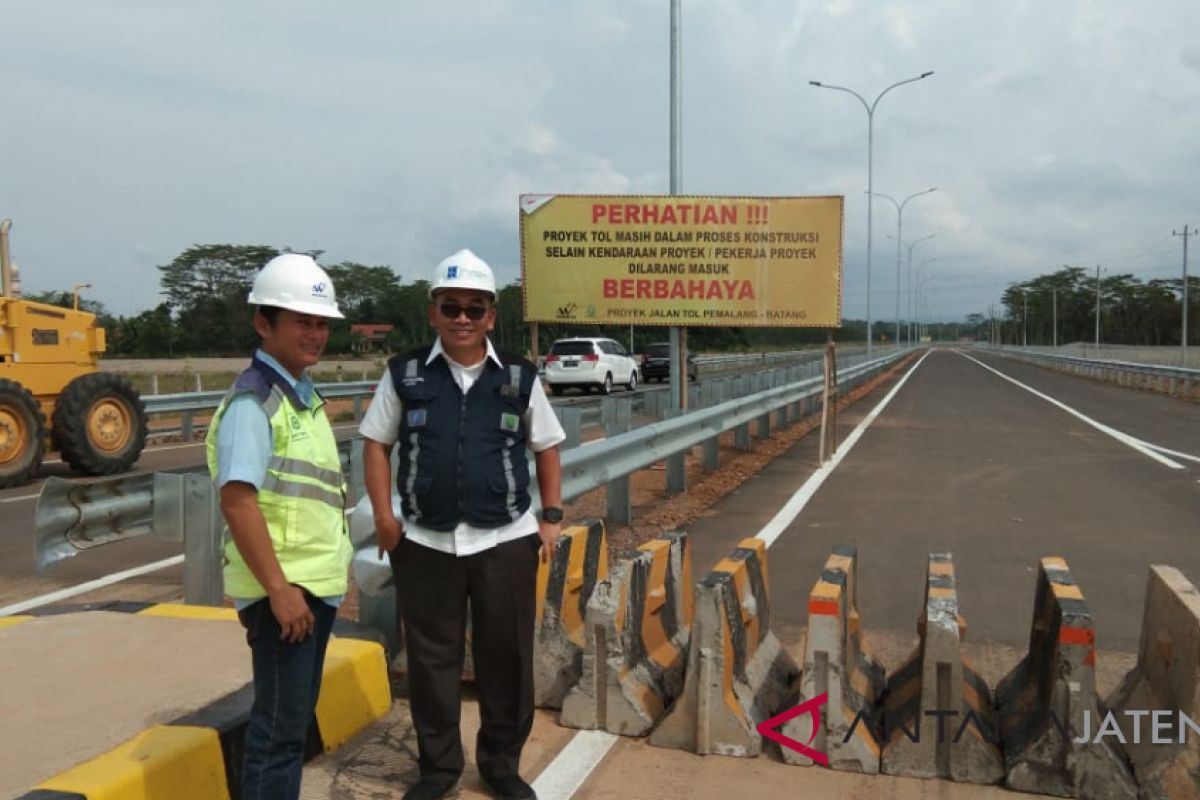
point(1171, 380)
point(187, 404)
point(588, 468)
point(74, 516)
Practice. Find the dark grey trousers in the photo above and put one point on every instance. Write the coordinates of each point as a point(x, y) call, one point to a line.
point(434, 589)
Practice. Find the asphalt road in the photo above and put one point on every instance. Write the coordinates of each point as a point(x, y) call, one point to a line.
point(964, 460)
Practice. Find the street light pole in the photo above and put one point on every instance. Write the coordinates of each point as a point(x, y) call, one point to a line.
point(899, 229)
point(1184, 338)
point(1097, 311)
point(910, 252)
point(675, 336)
point(870, 109)
point(922, 302)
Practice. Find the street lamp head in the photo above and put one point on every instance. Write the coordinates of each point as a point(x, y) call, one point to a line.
point(814, 83)
point(926, 74)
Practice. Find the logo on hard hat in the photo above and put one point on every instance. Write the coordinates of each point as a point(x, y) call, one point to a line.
point(452, 272)
point(318, 289)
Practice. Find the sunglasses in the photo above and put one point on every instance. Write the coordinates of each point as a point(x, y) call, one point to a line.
point(452, 310)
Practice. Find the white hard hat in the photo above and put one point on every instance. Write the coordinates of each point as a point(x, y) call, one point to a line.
point(463, 270)
point(295, 282)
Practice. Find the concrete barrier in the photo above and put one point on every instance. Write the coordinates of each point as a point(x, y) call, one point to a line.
point(199, 755)
point(1048, 702)
point(564, 586)
point(738, 674)
point(836, 663)
point(1165, 683)
point(937, 686)
point(637, 641)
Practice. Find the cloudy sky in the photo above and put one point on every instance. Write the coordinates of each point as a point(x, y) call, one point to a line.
point(397, 132)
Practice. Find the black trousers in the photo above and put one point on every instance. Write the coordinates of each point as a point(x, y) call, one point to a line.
point(434, 589)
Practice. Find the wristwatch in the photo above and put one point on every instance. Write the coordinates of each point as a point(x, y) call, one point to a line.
point(552, 514)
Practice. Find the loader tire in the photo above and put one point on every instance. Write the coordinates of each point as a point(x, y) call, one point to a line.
point(99, 424)
point(22, 434)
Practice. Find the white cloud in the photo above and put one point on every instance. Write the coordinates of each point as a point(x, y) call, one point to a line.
point(397, 133)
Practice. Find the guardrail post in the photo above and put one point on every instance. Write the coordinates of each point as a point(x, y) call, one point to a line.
point(608, 413)
point(571, 419)
point(677, 463)
point(357, 479)
point(203, 538)
point(619, 509)
point(186, 425)
point(741, 433)
point(765, 380)
point(764, 426)
point(154, 384)
point(199, 385)
point(711, 395)
point(358, 408)
point(650, 404)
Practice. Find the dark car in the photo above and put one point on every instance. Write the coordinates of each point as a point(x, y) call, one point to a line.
point(656, 363)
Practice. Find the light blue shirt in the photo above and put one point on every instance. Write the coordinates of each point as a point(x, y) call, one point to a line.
point(244, 443)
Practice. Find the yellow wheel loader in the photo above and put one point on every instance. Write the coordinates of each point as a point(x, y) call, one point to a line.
point(48, 371)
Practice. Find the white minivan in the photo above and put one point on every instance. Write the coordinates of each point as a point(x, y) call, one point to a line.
point(588, 363)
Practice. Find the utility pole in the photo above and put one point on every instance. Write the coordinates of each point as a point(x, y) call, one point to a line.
point(1097, 311)
point(1054, 296)
point(1184, 338)
point(1025, 321)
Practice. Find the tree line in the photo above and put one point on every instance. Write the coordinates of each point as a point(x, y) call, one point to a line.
point(204, 313)
point(1132, 311)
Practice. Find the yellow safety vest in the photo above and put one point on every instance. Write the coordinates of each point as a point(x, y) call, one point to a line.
point(303, 499)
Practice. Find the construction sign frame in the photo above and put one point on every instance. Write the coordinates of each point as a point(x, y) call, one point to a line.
point(682, 260)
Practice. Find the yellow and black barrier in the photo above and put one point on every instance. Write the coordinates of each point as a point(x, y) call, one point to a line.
point(564, 586)
point(738, 674)
point(638, 621)
point(1048, 702)
point(199, 755)
point(837, 664)
point(938, 717)
point(1166, 680)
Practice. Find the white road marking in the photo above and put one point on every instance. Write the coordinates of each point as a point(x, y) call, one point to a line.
point(574, 763)
point(780, 522)
point(83, 588)
point(1147, 450)
point(1166, 451)
point(571, 767)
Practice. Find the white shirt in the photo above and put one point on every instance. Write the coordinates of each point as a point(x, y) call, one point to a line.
point(543, 431)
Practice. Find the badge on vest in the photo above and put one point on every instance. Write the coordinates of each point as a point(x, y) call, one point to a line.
point(298, 433)
point(509, 422)
point(416, 418)
point(508, 390)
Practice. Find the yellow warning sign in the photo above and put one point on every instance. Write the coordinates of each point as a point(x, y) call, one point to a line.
point(671, 260)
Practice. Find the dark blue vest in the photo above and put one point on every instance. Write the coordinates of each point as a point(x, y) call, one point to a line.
point(462, 457)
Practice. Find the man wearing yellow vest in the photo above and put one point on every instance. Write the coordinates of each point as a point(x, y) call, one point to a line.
point(274, 459)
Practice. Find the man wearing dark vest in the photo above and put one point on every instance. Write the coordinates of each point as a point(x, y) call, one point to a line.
point(465, 416)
